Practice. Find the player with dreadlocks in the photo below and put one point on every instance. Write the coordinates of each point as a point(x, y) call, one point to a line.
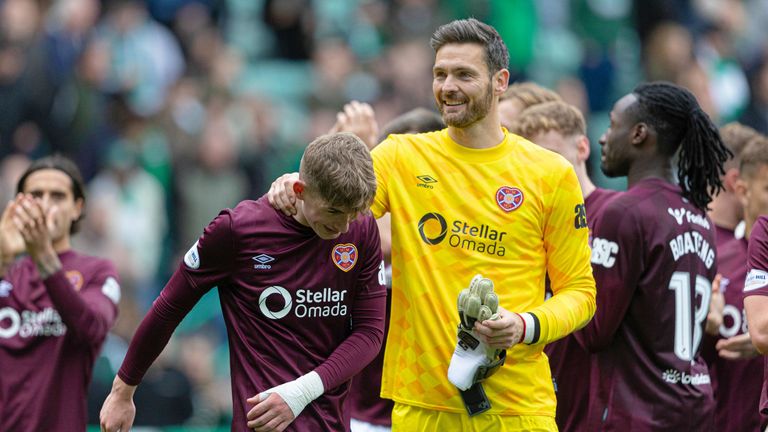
point(653, 260)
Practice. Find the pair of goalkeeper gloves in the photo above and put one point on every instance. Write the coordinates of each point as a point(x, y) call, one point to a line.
point(473, 360)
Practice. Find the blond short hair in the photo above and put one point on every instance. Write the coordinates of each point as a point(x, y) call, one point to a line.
point(736, 136)
point(529, 93)
point(338, 167)
point(754, 154)
point(560, 117)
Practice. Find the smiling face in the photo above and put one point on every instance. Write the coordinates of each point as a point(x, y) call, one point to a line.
point(327, 221)
point(616, 141)
point(462, 85)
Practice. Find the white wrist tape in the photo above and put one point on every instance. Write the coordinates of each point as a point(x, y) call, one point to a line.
point(299, 392)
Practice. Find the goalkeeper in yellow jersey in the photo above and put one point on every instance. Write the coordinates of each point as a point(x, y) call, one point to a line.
point(473, 198)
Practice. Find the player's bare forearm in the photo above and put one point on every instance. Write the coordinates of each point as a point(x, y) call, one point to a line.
point(755, 307)
point(502, 333)
point(118, 411)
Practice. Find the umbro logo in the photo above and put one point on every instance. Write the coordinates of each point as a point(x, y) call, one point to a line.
point(426, 181)
point(263, 261)
point(5, 288)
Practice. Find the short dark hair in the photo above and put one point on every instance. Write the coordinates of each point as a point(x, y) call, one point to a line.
point(473, 31)
point(65, 165)
point(680, 124)
point(417, 120)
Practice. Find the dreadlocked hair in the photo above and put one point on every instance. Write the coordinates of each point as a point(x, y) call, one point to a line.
point(682, 127)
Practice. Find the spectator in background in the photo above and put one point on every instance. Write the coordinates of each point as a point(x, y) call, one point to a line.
point(56, 304)
point(756, 114)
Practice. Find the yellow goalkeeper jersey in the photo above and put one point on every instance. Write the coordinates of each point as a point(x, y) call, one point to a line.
point(512, 213)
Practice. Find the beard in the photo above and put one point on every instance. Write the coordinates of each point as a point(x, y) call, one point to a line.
point(475, 111)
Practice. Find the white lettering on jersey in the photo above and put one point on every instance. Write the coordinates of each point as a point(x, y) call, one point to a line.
point(755, 279)
point(192, 258)
point(692, 242)
point(739, 321)
point(382, 274)
point(111, 289)
point(682, 214)
point(604, 252)
point(674, 376)
point(46, 322)
point(324, 302)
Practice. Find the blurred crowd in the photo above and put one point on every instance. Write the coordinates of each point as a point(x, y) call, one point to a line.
point(174, 109)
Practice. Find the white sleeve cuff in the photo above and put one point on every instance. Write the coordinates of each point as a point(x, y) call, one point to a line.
point(532, 328)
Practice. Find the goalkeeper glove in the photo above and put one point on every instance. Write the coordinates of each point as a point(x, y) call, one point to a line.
point(473, 360)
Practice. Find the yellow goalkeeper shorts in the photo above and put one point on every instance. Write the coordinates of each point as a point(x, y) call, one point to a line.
point(409, 418)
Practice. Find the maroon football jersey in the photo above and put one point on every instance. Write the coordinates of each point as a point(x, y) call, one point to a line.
point(737, 393)
point(51, 333)
point(757, 281)
point(723, 235)
point(567, 356)
point(292, 303)
point(653, 260)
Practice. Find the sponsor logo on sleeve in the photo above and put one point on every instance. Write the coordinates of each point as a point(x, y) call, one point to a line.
point(192, 257)
point(755, 279)
point(75, 278)
point(509, 198)
point(580, 221)
point(344, 256)
point(111, 289)
point(5, 288)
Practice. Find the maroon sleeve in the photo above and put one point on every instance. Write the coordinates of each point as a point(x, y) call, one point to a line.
point(90, 313)
point(205, 264)
point(175, 301)
point(757, 259)
point(368, 314)
point(616, 265)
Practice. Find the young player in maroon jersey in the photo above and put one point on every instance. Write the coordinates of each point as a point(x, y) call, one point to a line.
point(560, 127)
point(654, 261)
point(302, 296)
point(732, 356)
point(56, 305)
point(753, 191)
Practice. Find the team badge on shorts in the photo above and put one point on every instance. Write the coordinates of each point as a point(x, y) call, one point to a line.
point(509, 198)
point(75, 278)
point(344, 256)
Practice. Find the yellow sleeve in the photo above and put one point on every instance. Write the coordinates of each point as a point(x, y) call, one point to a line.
point(384, 157)
point(566, 241)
